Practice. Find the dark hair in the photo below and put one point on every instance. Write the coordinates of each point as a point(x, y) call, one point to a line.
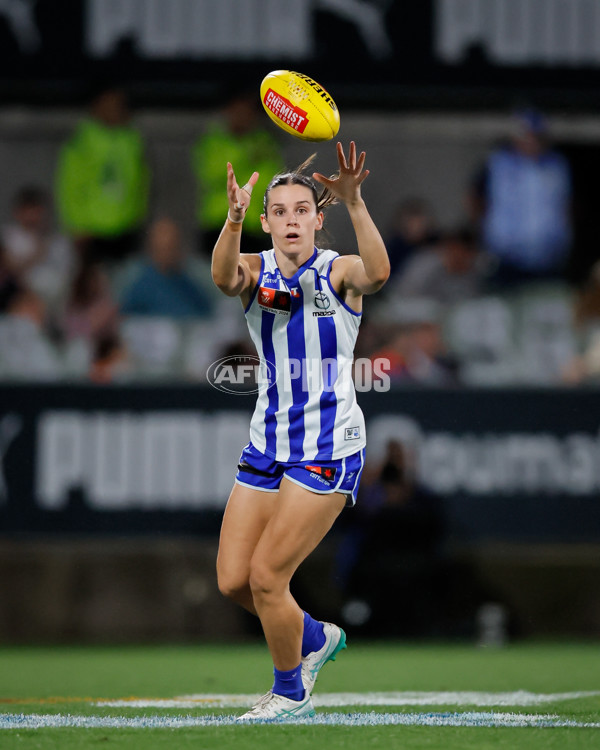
point(105, 345)
point(391, 473)
point(98, 87)
point(462, 234)
point(297, 177)
point(30, 195)
point(82, 290)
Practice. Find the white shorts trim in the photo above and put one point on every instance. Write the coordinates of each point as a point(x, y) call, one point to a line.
point(253, 487)
point(318, 492)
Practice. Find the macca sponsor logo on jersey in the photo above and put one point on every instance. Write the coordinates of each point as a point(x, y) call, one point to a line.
point(323, 302)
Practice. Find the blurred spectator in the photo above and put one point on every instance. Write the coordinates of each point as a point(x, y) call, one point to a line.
point(522, 203)
point(415, 347)
point(587, 304)
point(412, 228)
point(27, 305)
point(9, 285)
point(25, 349)
point(585, 367)
point(238, 138)
point(110, 361)
point(90, 313)
point(162, 286)
point(39, 257)
point(102, 180)
point(393, 545)
point(448, 272)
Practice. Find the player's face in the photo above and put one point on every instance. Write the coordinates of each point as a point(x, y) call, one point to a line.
point(292, 219)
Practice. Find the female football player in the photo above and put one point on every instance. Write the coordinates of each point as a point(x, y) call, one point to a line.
point(307, 436)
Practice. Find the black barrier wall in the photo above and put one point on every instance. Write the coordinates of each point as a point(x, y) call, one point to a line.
point(425, 52)
point(520, 466)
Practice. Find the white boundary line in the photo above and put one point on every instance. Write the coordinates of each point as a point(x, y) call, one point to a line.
point(468, 719)
point(518, 698)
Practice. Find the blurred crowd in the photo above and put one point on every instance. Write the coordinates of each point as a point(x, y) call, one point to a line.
point(489, 302)
point(94, 288)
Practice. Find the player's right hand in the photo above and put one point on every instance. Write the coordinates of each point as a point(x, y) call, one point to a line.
point(239, 197)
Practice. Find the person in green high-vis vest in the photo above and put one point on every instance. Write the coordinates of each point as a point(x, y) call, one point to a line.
point(240, 138)
point(102, 181)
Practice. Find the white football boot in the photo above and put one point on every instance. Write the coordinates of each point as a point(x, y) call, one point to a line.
point(274, 707)
point(335, 641)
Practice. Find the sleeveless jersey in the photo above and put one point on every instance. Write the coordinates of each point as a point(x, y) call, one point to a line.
point(304, 334)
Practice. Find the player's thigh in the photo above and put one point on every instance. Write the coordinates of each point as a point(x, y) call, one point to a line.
point(299, 522)
point(246, 516)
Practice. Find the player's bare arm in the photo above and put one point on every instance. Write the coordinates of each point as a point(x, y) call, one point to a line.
point(366, 274)
point(233, 273)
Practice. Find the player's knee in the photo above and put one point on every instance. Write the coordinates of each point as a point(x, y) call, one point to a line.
point(232, 587)
point(264, 581)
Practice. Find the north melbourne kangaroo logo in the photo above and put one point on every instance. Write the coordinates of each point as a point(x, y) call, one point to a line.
point(322, 301)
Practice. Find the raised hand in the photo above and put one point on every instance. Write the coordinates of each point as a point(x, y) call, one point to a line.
point(346, 185)
point(239, 197)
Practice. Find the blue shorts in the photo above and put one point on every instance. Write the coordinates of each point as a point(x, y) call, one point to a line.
point(260, 472)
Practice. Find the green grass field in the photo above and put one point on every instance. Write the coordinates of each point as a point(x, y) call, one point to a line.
point(538, 685)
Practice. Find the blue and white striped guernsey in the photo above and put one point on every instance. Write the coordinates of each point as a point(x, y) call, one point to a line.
point(302, 327)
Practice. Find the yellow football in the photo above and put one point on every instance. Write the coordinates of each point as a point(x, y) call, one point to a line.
point(299, 105)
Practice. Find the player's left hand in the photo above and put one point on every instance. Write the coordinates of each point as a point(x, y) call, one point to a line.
point(346, 185)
